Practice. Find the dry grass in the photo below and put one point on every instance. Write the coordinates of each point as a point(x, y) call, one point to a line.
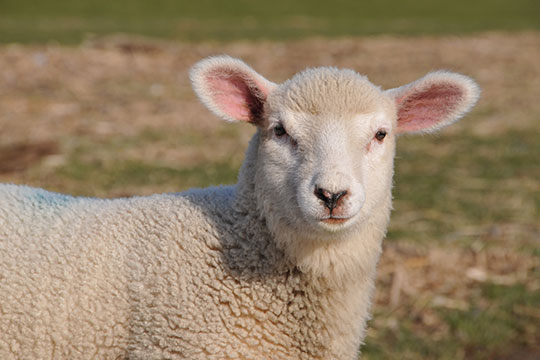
point(460, 273)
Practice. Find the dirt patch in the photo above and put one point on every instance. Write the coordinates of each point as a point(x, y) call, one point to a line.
point(20, 157)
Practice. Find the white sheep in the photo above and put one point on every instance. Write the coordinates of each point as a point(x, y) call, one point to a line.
point(279, 266)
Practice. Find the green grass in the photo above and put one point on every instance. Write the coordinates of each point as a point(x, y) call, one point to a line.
point(119, 174)
point(465, 181)
point(113, 166)
point(492, 328)
point(70, 21)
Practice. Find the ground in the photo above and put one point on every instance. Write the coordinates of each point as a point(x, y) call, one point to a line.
point(459, 278)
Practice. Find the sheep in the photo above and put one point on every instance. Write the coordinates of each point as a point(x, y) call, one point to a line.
point(279, 266)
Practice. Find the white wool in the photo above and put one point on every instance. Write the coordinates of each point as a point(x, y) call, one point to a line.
point(276, 267)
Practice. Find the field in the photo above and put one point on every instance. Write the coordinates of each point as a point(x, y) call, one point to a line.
point(459, 278)
point(114, 115)
point(71, 21)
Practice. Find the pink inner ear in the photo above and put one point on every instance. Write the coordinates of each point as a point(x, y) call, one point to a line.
point(426, 108)
point(236, 94)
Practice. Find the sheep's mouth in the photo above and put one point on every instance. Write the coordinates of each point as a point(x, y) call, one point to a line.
point(334, 220)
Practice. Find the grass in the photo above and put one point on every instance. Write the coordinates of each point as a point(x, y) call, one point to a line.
point(493, 321)
point(118, 176)
point(71, 21)
point(114, 167)
point(470, 180)
point(490, 329)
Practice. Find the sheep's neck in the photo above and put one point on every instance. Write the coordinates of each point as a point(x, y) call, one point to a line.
point(344, 274)
point(335, 302)
point(333, 310)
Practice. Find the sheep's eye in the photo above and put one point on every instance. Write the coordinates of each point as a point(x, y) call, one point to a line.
point(380, 135)
point(279, 130)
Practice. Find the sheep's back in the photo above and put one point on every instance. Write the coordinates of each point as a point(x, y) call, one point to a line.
point(80, 277)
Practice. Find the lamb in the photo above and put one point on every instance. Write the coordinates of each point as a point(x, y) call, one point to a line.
point(279, 266)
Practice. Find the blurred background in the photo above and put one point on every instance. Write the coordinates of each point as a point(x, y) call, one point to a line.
point(95, 100)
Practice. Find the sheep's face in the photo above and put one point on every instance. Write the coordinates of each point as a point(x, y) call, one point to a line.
point(326, 137)
point(326, 151)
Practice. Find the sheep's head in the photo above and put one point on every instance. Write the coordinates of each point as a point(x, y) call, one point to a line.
point(326, 137)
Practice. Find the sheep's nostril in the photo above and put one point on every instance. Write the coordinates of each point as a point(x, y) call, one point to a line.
point(331, 200)
point(337, 197)
point(322, 194)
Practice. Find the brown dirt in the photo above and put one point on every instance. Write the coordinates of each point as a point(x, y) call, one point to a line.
point(20, 156)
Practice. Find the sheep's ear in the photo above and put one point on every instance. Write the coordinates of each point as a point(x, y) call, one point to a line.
point(434, 101)
point(231, 89)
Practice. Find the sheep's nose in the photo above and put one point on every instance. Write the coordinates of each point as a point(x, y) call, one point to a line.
point(331, 200)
